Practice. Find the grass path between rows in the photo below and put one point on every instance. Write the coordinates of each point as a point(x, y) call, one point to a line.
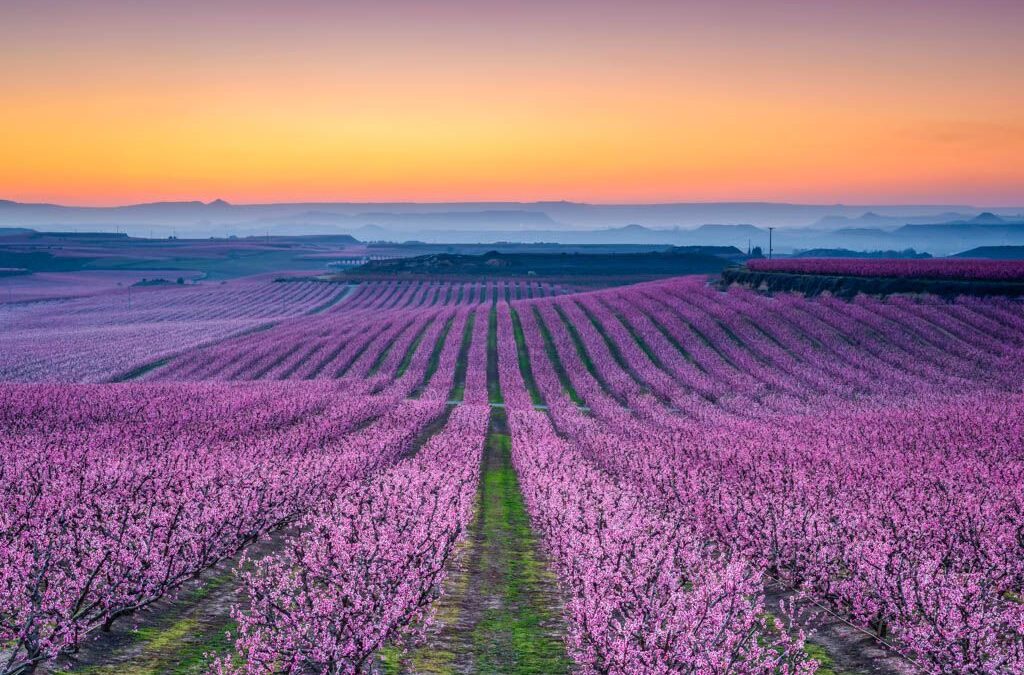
point(458, 391)
point(523, 358)
point(500, 612)
point(556, 362)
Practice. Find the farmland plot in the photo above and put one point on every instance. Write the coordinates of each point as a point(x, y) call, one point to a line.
point(666, 452)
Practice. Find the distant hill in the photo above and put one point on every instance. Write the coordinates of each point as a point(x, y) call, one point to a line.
point(211, 218)
point(743, 230)
point(579, 266)
point(633, 234)
point(220, 258)
point(994, 253)
point(938, 229)
point(78, 236)
point(13, 231)
point(721, 251)
point(847, 253)
point(41, 261)
point(984, 223)
point(876, 221)
point(505, 218)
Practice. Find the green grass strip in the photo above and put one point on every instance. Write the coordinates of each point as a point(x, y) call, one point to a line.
point(825, 664)
point(410, 352)
point(141, 370)
point(640, 342)
point(458, 391)
point(136, 373)
point(290, 370)
point(510, 637)
point(523, 354)
point(613, 347)
point(338, 297)
point(177, 644)
point(671, 339)
point(556, 362)
point(581, 348)
point(584, 354)
point(276, 362)
point(379, 361)
point(493, 385)
point(435, 359)
point(341, 371)
point(701, 336)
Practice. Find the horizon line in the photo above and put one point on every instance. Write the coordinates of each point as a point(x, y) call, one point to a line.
point(741, 202)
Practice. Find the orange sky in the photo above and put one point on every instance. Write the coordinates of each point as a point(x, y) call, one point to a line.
point(870, 102)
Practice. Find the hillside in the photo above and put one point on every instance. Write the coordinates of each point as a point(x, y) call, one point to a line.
point(994, 253)
point(579, 266)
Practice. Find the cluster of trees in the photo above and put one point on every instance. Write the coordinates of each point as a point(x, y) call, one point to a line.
point(929, 268)
point(869, 454)
point(113, 497)
point(368, 563)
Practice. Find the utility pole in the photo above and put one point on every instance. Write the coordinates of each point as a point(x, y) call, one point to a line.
point(770, 230)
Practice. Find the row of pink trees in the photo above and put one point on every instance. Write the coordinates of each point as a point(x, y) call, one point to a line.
point(940, 268)
point(367, 565)
point(98, 338)
point(412, 295)
point(905, 519)
point(113, 496)
point(220, 331)
point(644, 593)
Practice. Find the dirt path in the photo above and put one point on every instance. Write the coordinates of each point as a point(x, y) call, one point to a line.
point(841, 648)
point(173, 635)
point(500, 612)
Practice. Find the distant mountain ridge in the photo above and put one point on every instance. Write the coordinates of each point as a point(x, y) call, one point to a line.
point(875, 221)
point(571, 214)
point(938, 229)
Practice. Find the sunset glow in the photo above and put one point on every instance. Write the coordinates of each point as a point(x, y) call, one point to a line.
point(862, 102)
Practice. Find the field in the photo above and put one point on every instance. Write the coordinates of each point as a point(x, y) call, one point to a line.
point(947, 278)
point(592, 268)
point(217, 259)
point(507, 475)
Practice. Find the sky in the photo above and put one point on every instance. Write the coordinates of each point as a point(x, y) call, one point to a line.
point(873, 102)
